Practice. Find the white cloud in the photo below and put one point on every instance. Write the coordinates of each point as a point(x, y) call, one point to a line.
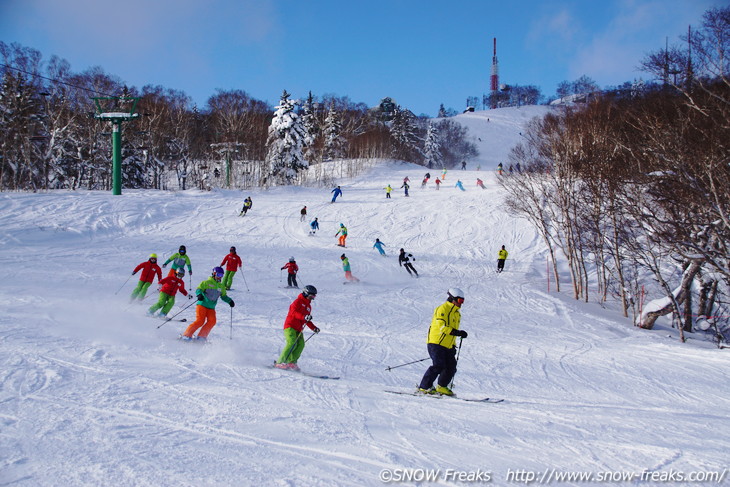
point(612, 53)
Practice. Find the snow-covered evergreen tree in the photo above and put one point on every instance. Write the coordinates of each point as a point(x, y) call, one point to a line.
point(442, 112)
point(285, 143)
point(404, 131)
point(432, 147)
point(311, 128)
point(334, 143)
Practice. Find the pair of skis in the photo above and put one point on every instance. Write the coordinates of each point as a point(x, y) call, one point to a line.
point(490, 400)
point(306, 374)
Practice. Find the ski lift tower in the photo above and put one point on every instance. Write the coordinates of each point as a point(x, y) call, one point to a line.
point(107, 108)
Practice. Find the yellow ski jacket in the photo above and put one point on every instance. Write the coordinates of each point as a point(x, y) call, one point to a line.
point(445, 318)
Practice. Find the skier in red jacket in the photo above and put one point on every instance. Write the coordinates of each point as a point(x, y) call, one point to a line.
point(232, 262)
point(170, 287)
point(291, 268)
point(299, 315)
point(149, 268)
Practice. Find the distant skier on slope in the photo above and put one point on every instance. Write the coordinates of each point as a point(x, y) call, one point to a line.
point(459, 185)
point(480, 183)
point(441, 344)
point(404, 260)
point(388, 189)
point(303, 213)
point(405, 188)
point(335, 193)
point(501, 257)
point(300, 314)
point(149, 268)
point(347, 269)
point(247, 204)
point(342, 232)
point(291, 269)
point(170, 286)
point(314, 226)
point(438, 183)
point(379, 245)
point(179, 259)
point(207, 293)
point(233, 263)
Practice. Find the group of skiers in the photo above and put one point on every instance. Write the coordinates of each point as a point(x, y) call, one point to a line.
point(442, 333)
point(405, 186)
point(207, 292)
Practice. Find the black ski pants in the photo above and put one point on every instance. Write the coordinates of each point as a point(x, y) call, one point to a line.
point(444, 366)
point(291, 280)
point(409, 267)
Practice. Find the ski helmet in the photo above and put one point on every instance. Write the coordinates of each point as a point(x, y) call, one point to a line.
point(291, 259)
point(342, 224)
point(218, 272)
point(180, 272)
point(153, 256)
point(233, 249)
point(343, 257)
point(182, 249)
point(309, 290)
point(455, 292)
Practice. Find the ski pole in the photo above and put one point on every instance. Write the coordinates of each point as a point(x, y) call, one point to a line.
point(125, 283)
point(291, 349)
point(173, 316)
point(231, 337)
point(244, 281)
point(280, 274)
point(409, 363)
point(458, 351)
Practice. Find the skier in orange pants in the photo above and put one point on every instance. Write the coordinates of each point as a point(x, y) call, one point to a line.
point(208, 293)
point(342, 232)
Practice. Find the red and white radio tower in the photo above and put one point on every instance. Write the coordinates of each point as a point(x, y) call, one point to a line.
point(494, 79)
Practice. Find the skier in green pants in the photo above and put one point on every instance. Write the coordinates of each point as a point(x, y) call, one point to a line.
point(170, 286)
point(299, 315)
point(149, 269)
point(233, 263)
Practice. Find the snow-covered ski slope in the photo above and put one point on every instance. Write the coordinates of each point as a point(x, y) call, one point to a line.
point(93, 393)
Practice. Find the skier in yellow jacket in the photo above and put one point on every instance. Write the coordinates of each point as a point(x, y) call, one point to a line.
point(501, 257)
point(441, 344)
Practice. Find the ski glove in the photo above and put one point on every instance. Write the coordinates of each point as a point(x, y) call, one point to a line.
point(308, 318)
point(316, 330)
point(231, 304)
point(201, 297)
point(459, 333)
point(164, 265)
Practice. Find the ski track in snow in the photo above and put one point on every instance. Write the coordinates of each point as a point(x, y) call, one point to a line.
point(93, 393)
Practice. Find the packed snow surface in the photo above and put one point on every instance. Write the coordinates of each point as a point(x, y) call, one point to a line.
point(92, 392)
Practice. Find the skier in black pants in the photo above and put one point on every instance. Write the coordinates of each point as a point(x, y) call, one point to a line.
point(404, 260)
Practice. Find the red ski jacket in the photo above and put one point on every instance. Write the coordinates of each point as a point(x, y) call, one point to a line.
point(291, 267)
point(232, 262)
point(298, 311)
point(148, 271)
point(171, 284)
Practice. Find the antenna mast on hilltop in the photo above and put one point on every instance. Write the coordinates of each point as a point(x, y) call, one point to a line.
point(494, 79)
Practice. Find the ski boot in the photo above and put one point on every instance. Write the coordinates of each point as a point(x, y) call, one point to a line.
point(444, 391)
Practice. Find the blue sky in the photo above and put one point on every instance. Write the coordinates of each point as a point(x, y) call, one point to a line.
point(421, 53)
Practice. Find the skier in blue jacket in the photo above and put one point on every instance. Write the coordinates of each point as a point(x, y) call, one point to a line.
point(314, 226)
point(337, 192)
point(379, 245)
